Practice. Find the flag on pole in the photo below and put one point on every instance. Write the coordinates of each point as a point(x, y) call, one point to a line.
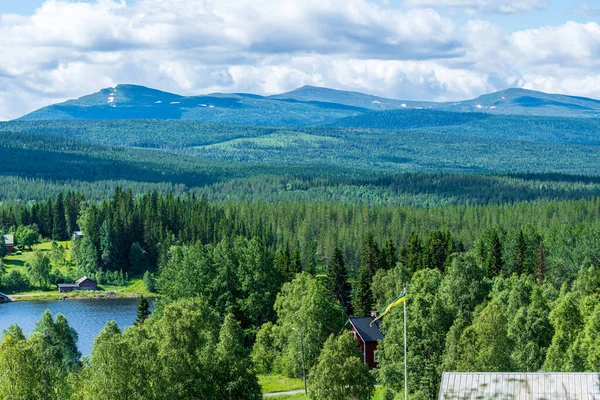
point(393, 304)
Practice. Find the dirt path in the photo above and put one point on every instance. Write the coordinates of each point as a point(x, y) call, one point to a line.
point(290, 392)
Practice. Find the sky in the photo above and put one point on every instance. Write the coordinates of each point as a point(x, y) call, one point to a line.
point(437, 50)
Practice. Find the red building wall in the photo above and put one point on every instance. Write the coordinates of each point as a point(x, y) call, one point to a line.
point(10, 249)
point(368, 355)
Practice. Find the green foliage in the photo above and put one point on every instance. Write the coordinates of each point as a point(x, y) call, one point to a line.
point(42, 366)
point(15, 280)
point(428, 322)
point(149, 280)
point(304, 307)
point(26, 236)
point(3, 251)
point(264, 350)
point(485, 345)
point(233, 366)
point(39, 269)
point(340, 373)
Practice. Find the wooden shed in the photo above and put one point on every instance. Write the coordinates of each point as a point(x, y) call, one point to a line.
point(84, 283)
point(519, 386)
point(367, 337)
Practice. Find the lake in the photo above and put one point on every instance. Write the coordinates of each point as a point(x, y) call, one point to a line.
point(87, 317)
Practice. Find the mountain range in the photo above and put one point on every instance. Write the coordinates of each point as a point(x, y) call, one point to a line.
point(304, 106)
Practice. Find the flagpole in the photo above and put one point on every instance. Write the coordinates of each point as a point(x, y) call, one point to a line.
point(405, 369)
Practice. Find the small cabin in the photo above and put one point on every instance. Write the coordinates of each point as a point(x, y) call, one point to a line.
point(77, 235)
point(4, 298)
point(84, 283)
point(367, 338)
point(9, 243)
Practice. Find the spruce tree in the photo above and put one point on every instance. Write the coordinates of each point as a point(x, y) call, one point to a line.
point(437, 249)
point(363, 296)
point(388, 255)
point(371, 257)
point(411, 256)
point(494, 261)
point(337, 278)
point(520, 254)
point(3, 251)
point(59, 222)
point(540, 268)
point(143, 310)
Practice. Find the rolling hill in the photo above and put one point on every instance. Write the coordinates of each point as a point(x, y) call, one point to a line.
point(305, 106)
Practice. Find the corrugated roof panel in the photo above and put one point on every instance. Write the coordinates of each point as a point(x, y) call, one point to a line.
point(520, 386)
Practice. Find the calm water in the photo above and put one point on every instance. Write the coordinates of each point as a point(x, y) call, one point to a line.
point(88, 317)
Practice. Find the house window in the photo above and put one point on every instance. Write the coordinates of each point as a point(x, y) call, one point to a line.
point(376, 355)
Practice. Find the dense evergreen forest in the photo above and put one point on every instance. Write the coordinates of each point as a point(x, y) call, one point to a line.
point(491, 288)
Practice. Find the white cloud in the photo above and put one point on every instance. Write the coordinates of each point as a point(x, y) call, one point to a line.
point(483, 6)
point(68, 49)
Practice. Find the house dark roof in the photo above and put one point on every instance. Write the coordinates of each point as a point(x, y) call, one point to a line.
point(83, 279)
point(519, 386)
point(68, 285)
point(366, 332)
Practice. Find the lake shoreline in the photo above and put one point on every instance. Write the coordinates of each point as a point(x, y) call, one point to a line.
point(95, 295)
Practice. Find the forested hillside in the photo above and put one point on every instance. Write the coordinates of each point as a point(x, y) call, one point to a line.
point(251, 235)
point(489, 288)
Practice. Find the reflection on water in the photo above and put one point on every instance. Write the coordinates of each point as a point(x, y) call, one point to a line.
point(88, 317)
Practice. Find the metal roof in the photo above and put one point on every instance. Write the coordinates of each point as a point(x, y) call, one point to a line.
point(520, 386)
point(9, 240)
point(67, 285)
point(367, 333)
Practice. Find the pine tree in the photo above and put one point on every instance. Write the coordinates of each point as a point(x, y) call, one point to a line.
point(337, 278)
point(143, 310)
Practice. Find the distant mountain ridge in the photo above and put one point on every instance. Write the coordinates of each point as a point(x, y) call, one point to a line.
point(308, 105)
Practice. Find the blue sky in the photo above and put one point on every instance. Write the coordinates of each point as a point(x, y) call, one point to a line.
point(556, 13)
point(440, 50)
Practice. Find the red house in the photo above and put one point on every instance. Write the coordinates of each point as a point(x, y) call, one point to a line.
point(9, 243)
point(367, 337)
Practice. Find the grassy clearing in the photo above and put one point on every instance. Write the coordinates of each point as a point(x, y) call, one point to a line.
point(301, 396)
point(18, 261)
point(134, 288)
point(278, 383)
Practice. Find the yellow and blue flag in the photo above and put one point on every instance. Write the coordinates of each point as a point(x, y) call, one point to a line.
point(393, 304)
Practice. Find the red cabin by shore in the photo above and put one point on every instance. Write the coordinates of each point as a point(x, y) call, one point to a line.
point(367, 338)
